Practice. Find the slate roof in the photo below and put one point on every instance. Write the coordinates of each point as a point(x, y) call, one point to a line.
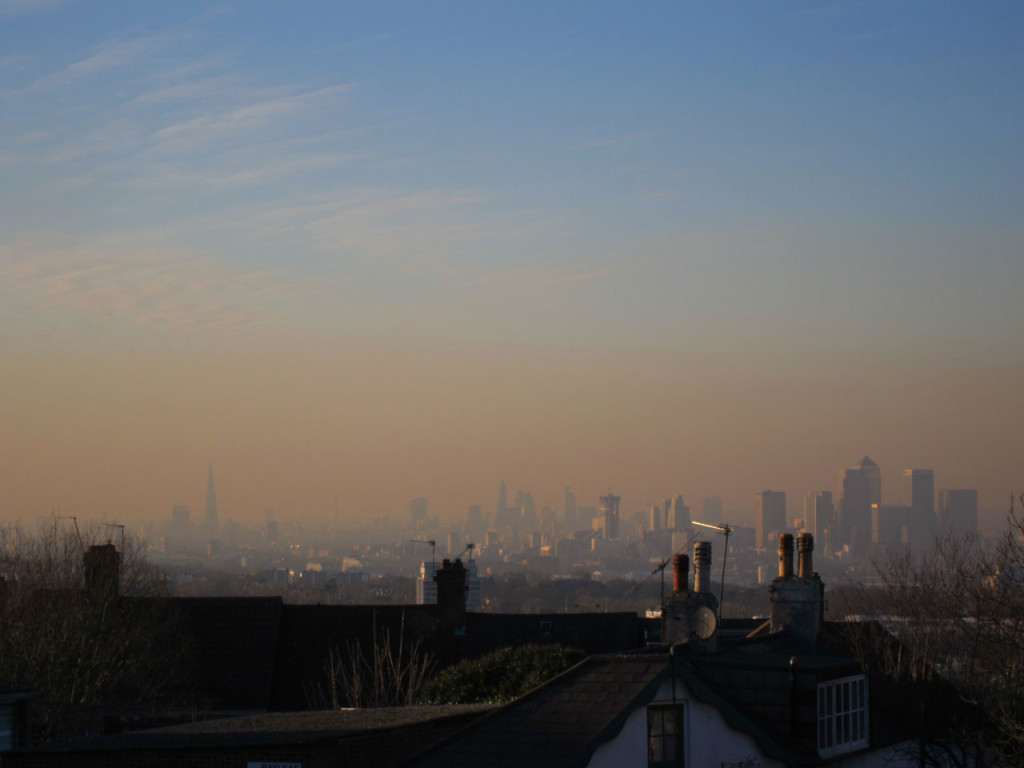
point(353, 737)
point(562, 722)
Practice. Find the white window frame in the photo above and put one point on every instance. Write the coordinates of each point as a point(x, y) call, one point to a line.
point(843, 715)
point(679, 709)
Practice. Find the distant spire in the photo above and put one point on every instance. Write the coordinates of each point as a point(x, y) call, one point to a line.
point(211, 504)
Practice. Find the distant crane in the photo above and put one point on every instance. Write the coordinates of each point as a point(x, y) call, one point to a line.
point(726, 529)
point(73, 519)
point(468, 548)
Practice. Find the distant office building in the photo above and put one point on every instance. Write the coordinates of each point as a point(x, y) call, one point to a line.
point(210, 519)
point(874, 478)
point(654, 519)
point(181, 522)
point(919, 487)
point(570, 509)
point(501, 507)
point(891, 527)
point(819, 515)
point(584, 515)
point(861, 487)
point(524, 511)
point(770, 517)
point(610, 515)
point(711, 510)
point(679, 517)
point(958, 512)
point(475, 523)
point(418, 511)
point(548, 519)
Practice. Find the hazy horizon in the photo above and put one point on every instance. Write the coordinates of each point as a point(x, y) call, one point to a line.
point(369, 252)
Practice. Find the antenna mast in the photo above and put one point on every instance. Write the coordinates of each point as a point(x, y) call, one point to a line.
point(726, 529)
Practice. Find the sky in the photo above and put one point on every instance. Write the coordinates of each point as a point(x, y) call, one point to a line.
point(351, 253)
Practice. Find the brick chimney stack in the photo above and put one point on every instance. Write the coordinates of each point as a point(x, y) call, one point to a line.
point(680, 573)
point(452, 586)
point(797, 601)
point(785, 555)
point(687, 616)
point(805, 549)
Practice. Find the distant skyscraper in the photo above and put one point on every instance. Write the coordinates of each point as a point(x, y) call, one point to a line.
point(210, 518)
point(874, 476)
point(654, 522)
point(501, 507)
point(570, 508)
point(418, 511)
point(770, 517)
point(524, 511)
point(958, 512)
point(819, 516)
point(861, 487)
point(610, 512)
point(679, 519)
point(891, 527)
point(920, 492)
point(711, 510)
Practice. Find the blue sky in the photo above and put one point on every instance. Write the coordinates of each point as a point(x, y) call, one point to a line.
point(817, 199)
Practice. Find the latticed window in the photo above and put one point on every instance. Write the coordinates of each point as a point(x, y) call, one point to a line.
point(842, 715)
point(665, 735)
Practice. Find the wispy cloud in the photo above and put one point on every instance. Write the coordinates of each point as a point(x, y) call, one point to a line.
point(136, 286)
point(110, 55)
point(198, 132)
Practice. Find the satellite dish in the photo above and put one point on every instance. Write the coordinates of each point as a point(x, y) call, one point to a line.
point(705, 622)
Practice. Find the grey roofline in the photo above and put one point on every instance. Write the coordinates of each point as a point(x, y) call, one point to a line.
point(606, 734)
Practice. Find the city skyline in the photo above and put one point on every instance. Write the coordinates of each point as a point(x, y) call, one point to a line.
point(369, 254)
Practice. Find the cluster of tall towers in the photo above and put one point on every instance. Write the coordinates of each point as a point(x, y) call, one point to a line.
point(859, 523)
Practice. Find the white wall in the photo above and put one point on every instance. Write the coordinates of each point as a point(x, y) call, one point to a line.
point(708, 740)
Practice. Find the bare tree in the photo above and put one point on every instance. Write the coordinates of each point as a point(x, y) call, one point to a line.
point(77, 646)
point(387, 674)
point(952, 647)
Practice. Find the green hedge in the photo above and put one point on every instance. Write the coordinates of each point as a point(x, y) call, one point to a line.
point(500, 676)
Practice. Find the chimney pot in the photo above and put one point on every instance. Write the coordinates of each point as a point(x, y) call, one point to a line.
point(785, 555)
point(805, 548)
point(680, 573)
point(702, 566)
